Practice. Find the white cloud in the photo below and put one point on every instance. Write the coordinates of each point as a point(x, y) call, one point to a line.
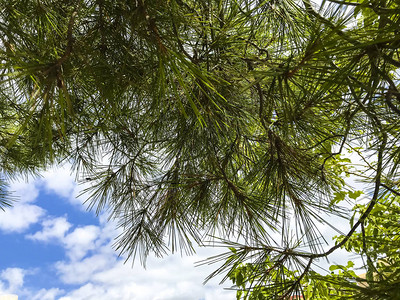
point(80, 241)
point(25, 191)
point(59, 181)
point(53, 229)
point(14, 277)
point(80, 272)
point(90, 262)
point(101, 275)
point(19, 217)
point(172, 278)
point(12, 282)
point(44, 294)
point(23, 213)
point(77, 243)
point(92, 265)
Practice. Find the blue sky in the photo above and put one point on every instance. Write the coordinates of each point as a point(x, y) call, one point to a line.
point(52, 248)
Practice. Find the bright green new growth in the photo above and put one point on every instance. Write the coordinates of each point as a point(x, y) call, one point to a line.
point(377, 244)
point(210, 118)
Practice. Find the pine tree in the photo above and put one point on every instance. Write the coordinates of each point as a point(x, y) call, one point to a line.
point(210, 118)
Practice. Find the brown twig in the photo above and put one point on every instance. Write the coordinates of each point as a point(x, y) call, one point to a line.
point(70, 42)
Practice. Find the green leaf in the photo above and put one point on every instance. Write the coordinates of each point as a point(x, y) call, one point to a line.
point(239, 279)
point(339, 196)
point(335, 267)
point(354, 195)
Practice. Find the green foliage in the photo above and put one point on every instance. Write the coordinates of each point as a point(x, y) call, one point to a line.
point(377, 244)
point(211, 118)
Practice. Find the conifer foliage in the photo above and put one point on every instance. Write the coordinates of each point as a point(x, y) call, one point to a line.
point(207, 119)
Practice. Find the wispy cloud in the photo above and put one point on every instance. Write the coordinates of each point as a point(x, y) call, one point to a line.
point(20, 217)
point(81, 240)
point(53, 229)
point(102, 275)
point(61, 182)
point(23, 213)
point(50, 294)
point(23, 190)
point(14, 278)
point(91, 269)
